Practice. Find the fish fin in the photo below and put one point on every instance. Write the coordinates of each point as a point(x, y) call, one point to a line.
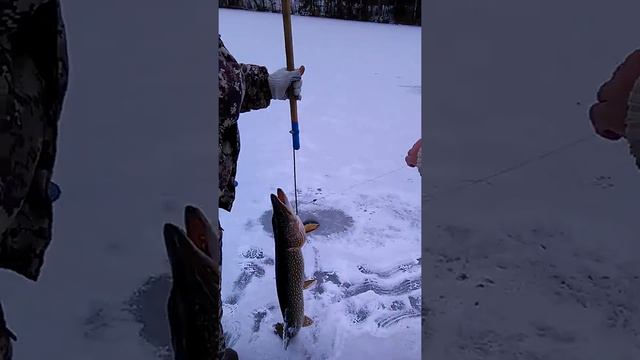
point(279, 329)
point(308, 283)
point(311, 226)
point(307, 321)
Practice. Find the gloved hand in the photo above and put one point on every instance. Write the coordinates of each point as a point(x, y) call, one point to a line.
point(285, 83)
point(412, 155)
point(609, 113)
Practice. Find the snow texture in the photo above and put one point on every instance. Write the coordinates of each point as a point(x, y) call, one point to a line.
point(359, 115)
point(132, 155)
point(538, 261)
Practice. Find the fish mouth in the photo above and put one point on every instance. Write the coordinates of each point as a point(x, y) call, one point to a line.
point(201, 233)
point(188, 262)
point(282, 196)
point(280, 202)
point(197, 228)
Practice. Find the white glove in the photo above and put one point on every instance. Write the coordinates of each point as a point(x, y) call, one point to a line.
point(283, 82)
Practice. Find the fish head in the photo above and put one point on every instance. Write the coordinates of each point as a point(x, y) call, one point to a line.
point(190, 266)
point(196, 279)
point(202, 234)
point(283, 200)
point(287, 225)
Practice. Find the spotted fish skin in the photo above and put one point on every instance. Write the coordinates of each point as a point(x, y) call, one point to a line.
point(195, 306)
point(289, 235)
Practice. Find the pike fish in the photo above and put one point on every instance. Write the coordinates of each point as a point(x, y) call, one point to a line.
point(289, 233)
point(195, 306)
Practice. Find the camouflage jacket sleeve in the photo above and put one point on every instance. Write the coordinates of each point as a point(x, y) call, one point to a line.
point(16, 12)
point(257, 94)
point(241, 88)
point(33, 83)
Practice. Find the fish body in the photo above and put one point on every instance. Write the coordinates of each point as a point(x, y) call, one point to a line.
point(195, 306)
point(289, 235)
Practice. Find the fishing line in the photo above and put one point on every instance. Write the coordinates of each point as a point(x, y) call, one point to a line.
point(341, 192)
point(372, 179)
point(510, 169)
point(455, 189)
point(295, 181)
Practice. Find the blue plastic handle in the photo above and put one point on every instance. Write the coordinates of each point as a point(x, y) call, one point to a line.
point(295, 134)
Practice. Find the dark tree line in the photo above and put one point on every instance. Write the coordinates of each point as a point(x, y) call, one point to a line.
point(406, 12)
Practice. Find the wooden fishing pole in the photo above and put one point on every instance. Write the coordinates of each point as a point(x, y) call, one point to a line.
point(293, 106)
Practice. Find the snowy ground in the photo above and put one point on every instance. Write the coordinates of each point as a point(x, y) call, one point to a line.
point(541, 261)
point(135, 147)
point(359, 115)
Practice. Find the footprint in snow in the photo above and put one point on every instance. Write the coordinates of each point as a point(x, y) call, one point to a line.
point(254, 268)
point(386, 315)
point(387, 273)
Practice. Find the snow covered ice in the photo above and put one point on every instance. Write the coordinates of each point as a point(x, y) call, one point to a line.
point(359, 115)
point(541, 261)
point(136, 147)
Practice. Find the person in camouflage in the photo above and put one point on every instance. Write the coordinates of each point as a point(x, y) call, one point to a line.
point(33, 84)
point(242, 88)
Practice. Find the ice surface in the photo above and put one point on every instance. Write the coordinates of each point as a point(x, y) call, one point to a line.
point(359, 115)
point(540, 262)
point(132, 155)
